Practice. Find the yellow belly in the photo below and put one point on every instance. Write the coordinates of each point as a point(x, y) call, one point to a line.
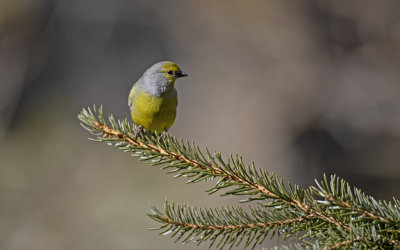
point(153, 113)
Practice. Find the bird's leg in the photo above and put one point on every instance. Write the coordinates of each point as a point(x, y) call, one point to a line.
point(139, 130)
point(164, 135)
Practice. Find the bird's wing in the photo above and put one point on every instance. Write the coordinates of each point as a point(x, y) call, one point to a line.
point(130, 98)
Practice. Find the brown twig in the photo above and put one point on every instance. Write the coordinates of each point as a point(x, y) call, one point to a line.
point(347, 242)
point(167, 220)
point(362, 212)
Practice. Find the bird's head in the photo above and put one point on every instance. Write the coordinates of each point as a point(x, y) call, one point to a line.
point(164, 72)
point(172, 71)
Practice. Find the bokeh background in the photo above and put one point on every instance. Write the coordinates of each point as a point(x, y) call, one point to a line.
point(300, 87)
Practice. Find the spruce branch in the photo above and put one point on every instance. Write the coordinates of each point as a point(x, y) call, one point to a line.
point(185, 158)
point(331, 214)
point(198, 224)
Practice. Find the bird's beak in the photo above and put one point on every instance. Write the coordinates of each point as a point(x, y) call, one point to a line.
point(181, 74)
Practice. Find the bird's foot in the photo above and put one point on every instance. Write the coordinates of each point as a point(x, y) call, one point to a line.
point(139, 130)
point(163, 136)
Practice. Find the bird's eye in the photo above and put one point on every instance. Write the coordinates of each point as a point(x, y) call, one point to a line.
point(170, 72)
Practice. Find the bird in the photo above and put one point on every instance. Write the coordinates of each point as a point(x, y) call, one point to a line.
point(153, 98)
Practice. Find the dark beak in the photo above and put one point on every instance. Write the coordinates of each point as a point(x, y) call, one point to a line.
point(181, 74)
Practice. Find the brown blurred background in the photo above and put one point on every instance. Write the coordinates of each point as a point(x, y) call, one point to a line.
point(300, 87)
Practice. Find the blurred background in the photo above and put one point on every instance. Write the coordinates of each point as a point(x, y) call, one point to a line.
point(301, 88)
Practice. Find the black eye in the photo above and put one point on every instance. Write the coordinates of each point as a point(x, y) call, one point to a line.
point(170, 72)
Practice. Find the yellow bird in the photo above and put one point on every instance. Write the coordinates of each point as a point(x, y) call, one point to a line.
point(153, 98)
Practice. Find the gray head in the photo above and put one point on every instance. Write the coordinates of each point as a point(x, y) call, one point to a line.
point(160, 77)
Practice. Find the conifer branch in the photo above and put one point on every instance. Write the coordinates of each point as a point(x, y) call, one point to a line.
point(172, 150)
point(197, 224)
point(168, 220)
point(331, 214)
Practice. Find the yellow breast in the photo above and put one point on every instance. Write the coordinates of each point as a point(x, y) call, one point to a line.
point(154, 113)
